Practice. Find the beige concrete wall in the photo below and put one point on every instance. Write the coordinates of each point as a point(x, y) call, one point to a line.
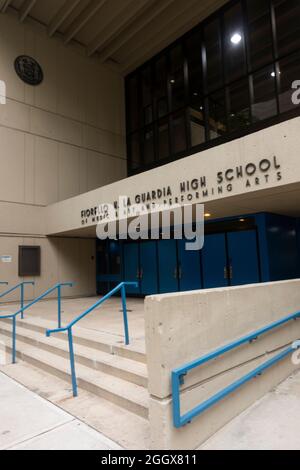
point(65, 136)
point(62, 260)
point(57, 140)
point(182, 327)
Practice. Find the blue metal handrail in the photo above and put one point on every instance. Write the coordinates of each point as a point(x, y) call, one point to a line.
point(21, 286)
point(120, 287)
point(179, 373)
point(26, 307)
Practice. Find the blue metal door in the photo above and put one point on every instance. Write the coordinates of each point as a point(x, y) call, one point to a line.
point(148, 268)
point(214, 261)
point(243, 257)
point(189, 268)
point(168, 268)
point(131, 266)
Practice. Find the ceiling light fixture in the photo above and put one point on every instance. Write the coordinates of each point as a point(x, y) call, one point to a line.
point(236, 38)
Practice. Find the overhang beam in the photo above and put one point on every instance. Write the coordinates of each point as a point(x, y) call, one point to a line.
point(122, 39)
point(62, 15)
point(4, 4)
point(83, 19)
point(121, 20)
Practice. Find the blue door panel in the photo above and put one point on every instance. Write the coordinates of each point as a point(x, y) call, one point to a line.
point(189, 268)
point(168, 270)
point(243, 257)
point(131, 265)
point(214, 261)
point(148, 268)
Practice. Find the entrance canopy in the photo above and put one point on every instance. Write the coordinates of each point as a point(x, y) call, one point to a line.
point(258, 173)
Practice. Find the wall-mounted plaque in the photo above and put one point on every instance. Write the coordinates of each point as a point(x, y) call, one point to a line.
point(29, 70)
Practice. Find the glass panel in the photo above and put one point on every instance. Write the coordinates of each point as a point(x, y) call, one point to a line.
point(217, 115)
point(163, 139)
point(239, 113)
point(213, 50)
point(132, 103)
point(265, 104)
point(134, 150)
point(234, 43)
point(287, 13)
point(289, 72)
point(194, 61)
point(177, 77)
point(146, 79)
point(178, 133)
point(197, 126)
point(114, 257)
point(260, 33)
point(160, 86)
point(148, 146)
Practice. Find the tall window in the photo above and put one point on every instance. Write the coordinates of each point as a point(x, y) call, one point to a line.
point(229, 75)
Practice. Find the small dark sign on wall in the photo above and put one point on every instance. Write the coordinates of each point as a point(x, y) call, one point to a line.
point(29, 261)
point(29, 70)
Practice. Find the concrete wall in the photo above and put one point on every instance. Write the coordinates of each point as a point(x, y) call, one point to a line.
point(182, 327)
point(59, 139)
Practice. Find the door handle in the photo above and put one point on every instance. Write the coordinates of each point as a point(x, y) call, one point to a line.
point(225, 273)
point(231, 272)
point(141, 273)
point(180, 272)
point(176, 273)
point(138, 275)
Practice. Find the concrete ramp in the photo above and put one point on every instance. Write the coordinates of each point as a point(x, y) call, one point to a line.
point(271, 423)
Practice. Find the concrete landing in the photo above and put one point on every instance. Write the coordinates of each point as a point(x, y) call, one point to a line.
point(28, 422)
point(271, 423)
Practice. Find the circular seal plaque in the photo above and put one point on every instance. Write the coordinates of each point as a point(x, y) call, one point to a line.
point(29, 70)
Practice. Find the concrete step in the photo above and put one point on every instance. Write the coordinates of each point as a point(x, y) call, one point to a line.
point(118, 366)
point(130, 396)
point(100, 341)
point(100, 414)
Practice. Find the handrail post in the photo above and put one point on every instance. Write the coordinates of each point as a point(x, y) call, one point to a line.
point(59, 305)
point(22, 300)
point(72, 363)
point(123, 293)
point(14, 340)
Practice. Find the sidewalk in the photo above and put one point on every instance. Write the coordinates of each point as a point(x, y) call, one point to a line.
point(28, 422)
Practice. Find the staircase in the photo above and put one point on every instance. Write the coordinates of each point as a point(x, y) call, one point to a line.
point(104, 366)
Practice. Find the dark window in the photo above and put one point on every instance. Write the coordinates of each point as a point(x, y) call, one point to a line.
point(213, 50)
point(217, 118)
point(289, 72)
point(134, 150)
point(148, 145)
point(264, 102)
point(229, 75)
point(163, 139)
point(260, 33)
point(29, 261)
point(287, 14)
point(234, 43)
point(179, 132)
point(160, 86)
point(197, 125)
point(239, 107)
point(133, 103)
point(194, 63)
point(177, 77)
point(146, 79)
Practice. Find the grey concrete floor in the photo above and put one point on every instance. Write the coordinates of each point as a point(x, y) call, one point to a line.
point(28, 422)
point(107, 318)
point(271, 423)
